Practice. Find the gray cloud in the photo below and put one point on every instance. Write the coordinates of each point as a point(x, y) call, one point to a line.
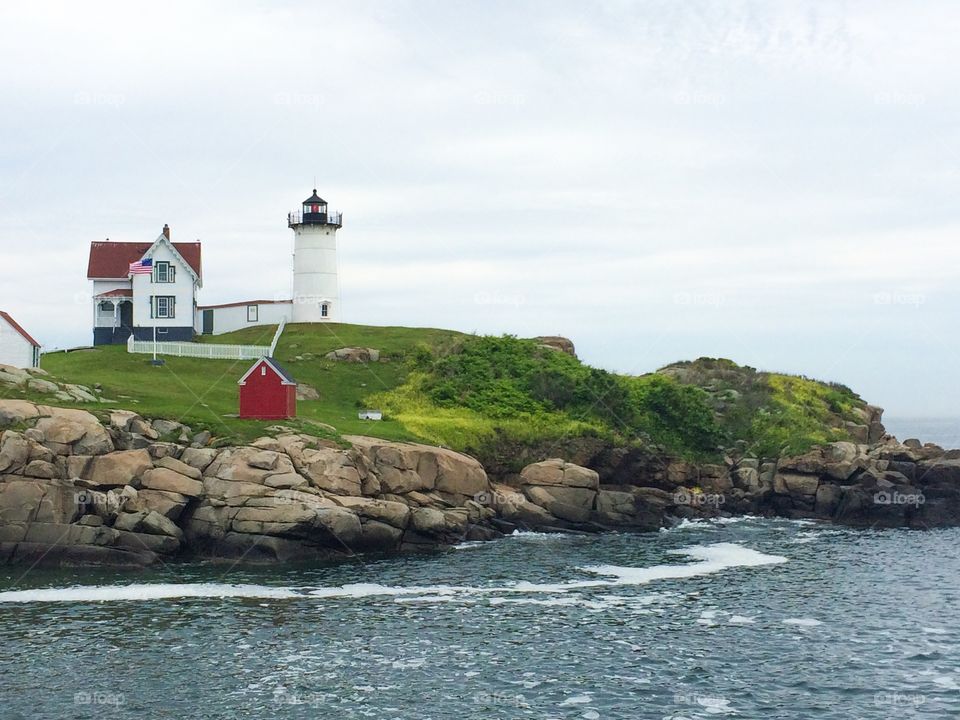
point(769, 182)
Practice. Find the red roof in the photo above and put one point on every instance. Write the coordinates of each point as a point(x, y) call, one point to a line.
point(16, 326)
point(112, 259)
point(245, 302)
point(122, 292)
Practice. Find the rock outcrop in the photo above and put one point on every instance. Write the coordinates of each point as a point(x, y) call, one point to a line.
point(38, 381)
point(354, 354)
point(75, 490)
point(889, 484)
point(557, 342)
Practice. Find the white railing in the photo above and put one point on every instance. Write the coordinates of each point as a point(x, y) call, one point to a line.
point(198, 350)
point(209, 351)
point(276, 337)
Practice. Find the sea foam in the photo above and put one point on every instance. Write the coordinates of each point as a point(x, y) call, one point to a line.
point(711, 559)
point(158, 591)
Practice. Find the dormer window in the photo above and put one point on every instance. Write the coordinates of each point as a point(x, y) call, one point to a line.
point(164, 272)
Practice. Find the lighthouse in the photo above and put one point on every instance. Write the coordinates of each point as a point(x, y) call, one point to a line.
point(316, 287)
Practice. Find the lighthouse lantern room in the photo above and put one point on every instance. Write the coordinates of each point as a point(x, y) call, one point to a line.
point(316, 285)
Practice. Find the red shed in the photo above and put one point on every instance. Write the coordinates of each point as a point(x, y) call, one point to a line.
point(267, 392)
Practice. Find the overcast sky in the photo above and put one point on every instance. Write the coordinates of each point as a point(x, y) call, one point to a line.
point(772, 182)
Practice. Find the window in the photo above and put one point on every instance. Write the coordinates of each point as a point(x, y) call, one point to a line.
point(164, 272)
point(253, 313)
point(163, 306)
point(106, 307)
point(263, 371)
point(323, 310)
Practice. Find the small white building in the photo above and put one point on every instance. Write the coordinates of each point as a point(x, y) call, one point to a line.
point(160, 295)
point(17, 348)
point(217, 319)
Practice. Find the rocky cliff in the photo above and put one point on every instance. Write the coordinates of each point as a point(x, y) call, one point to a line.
point(129, 491)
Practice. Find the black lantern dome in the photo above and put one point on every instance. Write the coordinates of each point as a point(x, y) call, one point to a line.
point(314, 212)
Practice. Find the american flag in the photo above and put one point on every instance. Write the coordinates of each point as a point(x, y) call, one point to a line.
point(141, 267)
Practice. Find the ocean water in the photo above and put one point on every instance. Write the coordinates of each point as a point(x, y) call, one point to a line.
point(744, 618)
point(944, 431)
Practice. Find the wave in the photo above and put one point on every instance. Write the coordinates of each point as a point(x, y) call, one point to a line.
point(158, 591)
point(711, 559)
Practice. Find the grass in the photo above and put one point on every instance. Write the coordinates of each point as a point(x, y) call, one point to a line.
point(321, 338)
point(467, 429)
point(198, 393)
point(774, 413)
point(802, 413)
point(203, 393)
point(346, 388)
point(484, 395)
point(515, 390)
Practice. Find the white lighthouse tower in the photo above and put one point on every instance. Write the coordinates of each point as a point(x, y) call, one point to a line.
point(316, 287)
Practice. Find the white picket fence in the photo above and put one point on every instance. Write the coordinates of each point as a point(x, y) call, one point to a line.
point(210, 351)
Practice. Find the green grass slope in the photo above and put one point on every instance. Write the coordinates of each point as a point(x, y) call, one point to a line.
point(490, 396)
point(204, 393)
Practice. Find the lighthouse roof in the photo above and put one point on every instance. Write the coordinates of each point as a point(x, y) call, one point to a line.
point(315, 198)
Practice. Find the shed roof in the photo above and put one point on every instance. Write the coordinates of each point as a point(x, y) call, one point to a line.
point(285, 377)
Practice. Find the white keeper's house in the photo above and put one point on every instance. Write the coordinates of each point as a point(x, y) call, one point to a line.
point(17, 348)
point(149, 290)
point(142, 287)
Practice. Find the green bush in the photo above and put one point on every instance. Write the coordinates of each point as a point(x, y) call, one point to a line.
point(799, 414)
point(506, 379)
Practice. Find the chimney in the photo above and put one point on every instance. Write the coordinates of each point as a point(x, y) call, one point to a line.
point(166, 231)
